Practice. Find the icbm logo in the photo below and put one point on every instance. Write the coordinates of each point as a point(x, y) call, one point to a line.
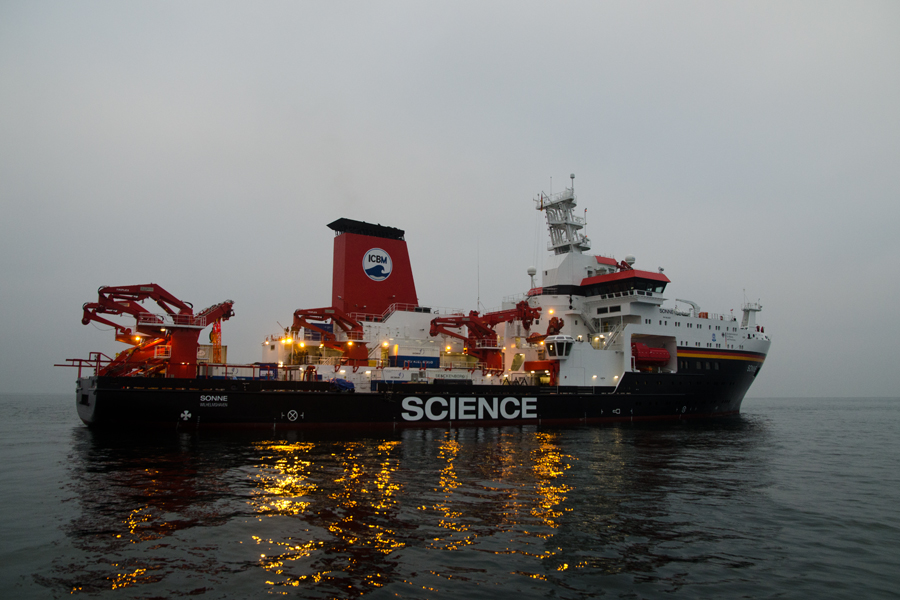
point(377, 264)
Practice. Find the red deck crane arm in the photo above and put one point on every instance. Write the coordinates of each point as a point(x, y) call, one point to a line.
point(480, 328)
point(223, 311)
point(90, 314)
point(304, 317)
point(147, 291)
point(441, 325)
point(522, 312)
point(354, 350)
point(180, 336)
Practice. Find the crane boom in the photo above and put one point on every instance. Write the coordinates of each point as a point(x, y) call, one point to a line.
point(481, 339)
point(164, 343)
point(353, 350)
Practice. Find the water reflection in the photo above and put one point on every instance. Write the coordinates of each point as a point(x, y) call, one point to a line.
point(343, 506)
point(419, 510)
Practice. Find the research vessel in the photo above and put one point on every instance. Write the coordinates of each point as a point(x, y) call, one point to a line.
point(595, 341)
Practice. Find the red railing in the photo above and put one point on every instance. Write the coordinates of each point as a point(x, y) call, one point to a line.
point(95, 361)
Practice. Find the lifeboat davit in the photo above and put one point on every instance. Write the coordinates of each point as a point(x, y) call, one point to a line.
point(645, 356)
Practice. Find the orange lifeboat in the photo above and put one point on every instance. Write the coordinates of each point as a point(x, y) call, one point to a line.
point(645, 356)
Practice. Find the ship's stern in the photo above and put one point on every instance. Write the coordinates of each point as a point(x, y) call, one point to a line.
point(86, 399)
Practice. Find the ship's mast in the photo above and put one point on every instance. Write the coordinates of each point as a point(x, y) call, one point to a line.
point(565, 228)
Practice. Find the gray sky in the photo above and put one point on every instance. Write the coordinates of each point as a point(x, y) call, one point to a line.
point(204, 146)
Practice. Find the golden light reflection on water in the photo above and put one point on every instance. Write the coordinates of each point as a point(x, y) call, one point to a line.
point(510, 490)
point(361, 493)
point(450, 517)
point(334, 513)
point(136, 577)
point(550, 464)
point(285, 484)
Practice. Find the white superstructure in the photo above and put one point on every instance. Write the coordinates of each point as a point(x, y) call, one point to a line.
point(599, 320)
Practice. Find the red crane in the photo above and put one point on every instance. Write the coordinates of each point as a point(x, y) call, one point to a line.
point(553, 328)
point(354, 351)
point(481, 341)
point(159, 343)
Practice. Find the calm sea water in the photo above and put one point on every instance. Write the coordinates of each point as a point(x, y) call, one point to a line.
point(796, 498)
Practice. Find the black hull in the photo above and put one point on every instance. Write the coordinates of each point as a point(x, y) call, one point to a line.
point(106, 402)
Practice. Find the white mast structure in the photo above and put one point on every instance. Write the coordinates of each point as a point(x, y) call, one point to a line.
point(565, 228)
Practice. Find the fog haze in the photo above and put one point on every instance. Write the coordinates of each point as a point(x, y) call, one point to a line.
point(751, 149)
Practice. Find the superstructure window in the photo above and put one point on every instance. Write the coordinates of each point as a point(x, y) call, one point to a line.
point(559, 348)
point(634, 284)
